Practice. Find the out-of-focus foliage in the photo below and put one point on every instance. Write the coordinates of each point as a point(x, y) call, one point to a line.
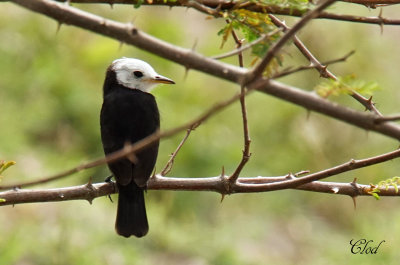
point(4, 165)
point(50, 98)
point(346, 85)
point(384, 185)
point(252, 26)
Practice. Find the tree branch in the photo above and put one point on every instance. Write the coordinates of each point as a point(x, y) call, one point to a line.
point(168, 166)
point(246, 135)
point(322, 69)
point(83, 192)
point(312, 102)
point(131, 149)
point(221, 184)
point(291, 70)
point(91, 191)
point(277, 46)
point(191, 60)
point(209, 7)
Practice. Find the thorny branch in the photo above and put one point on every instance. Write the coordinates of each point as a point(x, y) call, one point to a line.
point(91, 191)
point(291, 70)
point(246, 136)
point(217, 184)
point(129, 34)
point(212, 7)
point(322, 69)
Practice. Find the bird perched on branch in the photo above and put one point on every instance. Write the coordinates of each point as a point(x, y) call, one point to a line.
point(129, 114)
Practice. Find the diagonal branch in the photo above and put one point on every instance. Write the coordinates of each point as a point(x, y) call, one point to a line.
point(129, 34)
point(131, 149)
point(291, 70)
point(311, 101)
point(295, 182)
point(323, 70)
point(277, 46)
point(168, 166)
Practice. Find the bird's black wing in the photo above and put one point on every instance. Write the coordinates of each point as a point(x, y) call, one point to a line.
point(128, 116)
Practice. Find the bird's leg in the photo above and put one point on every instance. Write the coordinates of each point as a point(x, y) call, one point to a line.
point(109, 180)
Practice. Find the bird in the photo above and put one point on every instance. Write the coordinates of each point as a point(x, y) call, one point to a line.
point(129, 113)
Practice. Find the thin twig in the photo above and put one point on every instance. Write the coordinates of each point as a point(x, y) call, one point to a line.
point(388, 118)
point(168, 166)
point(311, 66)
point(246, 135)
point(322, 69)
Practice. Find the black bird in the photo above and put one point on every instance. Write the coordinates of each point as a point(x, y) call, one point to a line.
point(129, 114)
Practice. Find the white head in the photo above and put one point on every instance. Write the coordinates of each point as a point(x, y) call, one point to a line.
point(137, 74)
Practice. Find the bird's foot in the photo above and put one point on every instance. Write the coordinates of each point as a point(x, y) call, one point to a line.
point(109, 180)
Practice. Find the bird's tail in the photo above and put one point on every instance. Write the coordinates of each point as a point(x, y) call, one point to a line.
point(131, 212)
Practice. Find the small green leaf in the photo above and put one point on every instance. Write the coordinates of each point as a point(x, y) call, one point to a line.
point(2, 200)
point(396, 188)
point(376, 196)
point(225, 32)
point(345, 85)
point(4, 165)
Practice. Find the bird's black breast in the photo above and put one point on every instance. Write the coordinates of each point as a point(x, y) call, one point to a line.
point(128, 116)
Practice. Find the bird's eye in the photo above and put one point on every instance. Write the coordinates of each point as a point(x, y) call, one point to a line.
point(137, 74)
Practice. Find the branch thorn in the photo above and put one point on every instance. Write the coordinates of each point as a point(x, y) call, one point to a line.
point(302, 172)
point(120, 45)
point(89, 184)
point(194, 44)
point(186, 72)
point(381, 23)
point(59, 24)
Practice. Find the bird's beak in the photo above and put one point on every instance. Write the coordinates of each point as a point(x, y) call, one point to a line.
point(161, 80)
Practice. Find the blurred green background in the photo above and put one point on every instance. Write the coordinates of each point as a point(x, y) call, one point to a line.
point(50, 98)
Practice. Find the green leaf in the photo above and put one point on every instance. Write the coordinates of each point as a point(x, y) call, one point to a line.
point(2, 200)
point(376, 196)
point(4, 165)
point(225, 32)
point(396, 188)
point(345, 85)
